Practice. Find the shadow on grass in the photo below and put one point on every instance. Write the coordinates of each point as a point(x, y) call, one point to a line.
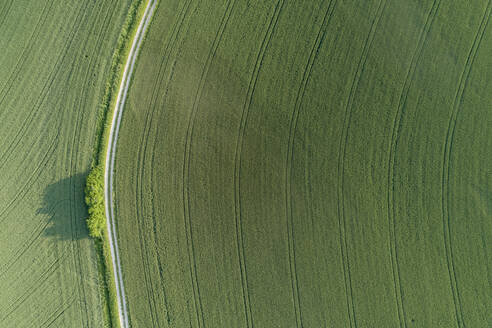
point(63, 203)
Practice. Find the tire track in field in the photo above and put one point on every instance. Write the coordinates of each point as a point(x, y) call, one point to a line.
point(152, 166)
point(15, 74)
point(170, 46)
point(5, 12)
point(153, 213)
point(143, 246)
point(26, 51)
point(75, 242)
point(187, 162)
point(25, 125)
point(32, 288)
point(341, 160)
point(40, 164)
point(143, 151)
point(38, 230)
point(395, 135)
point(168, 312)
point(146, 264)
point(147, 276)
point(290, 158)
point(139, 192)
point(448, 147)
point(237, 159)
point(154, 223)
point(32, 178)
point(44, 92)
point(73, 188)
point(139, 195)
point(58, 313)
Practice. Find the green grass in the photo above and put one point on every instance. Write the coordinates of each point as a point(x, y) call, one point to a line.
point(309, 164)
point(108, 304)
point(115, 75)
point(55, 61)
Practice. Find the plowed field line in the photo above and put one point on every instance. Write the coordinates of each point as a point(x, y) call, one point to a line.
point(142, 152)
point(237, 160)
point(187, 162)
point(448, 146)
point(391, 158)
point(342, 224)
point(290, 157)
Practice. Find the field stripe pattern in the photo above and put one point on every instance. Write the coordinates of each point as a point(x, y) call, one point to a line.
point(293, 164)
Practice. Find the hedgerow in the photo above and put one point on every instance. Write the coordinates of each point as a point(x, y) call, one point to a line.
point(94, 189)
point(94, 198)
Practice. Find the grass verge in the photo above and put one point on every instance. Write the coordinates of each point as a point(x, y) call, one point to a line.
point(95, 180)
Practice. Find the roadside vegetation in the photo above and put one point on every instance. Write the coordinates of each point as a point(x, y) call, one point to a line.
point(135, 13)
point(94, 199)
point(309, 164)
point(94, 189)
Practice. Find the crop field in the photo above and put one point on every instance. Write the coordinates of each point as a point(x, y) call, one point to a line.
point(54, 61)
point(298, 164)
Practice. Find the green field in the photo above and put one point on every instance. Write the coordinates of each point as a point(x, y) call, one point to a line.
point(280, 163)
point(54, 62)
point(309, 164)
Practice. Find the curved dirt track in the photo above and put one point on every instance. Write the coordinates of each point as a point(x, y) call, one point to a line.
point(110, 156)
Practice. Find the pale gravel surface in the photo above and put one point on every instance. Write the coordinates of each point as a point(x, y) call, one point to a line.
point(110, 156)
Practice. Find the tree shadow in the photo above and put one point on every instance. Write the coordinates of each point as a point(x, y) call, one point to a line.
point(63, 204)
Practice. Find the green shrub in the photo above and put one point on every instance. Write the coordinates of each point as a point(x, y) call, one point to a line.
point(94, 198)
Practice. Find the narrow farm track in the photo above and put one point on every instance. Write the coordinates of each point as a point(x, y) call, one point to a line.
point(110, 158)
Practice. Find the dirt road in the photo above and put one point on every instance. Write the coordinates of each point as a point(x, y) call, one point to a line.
point(110, 157)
